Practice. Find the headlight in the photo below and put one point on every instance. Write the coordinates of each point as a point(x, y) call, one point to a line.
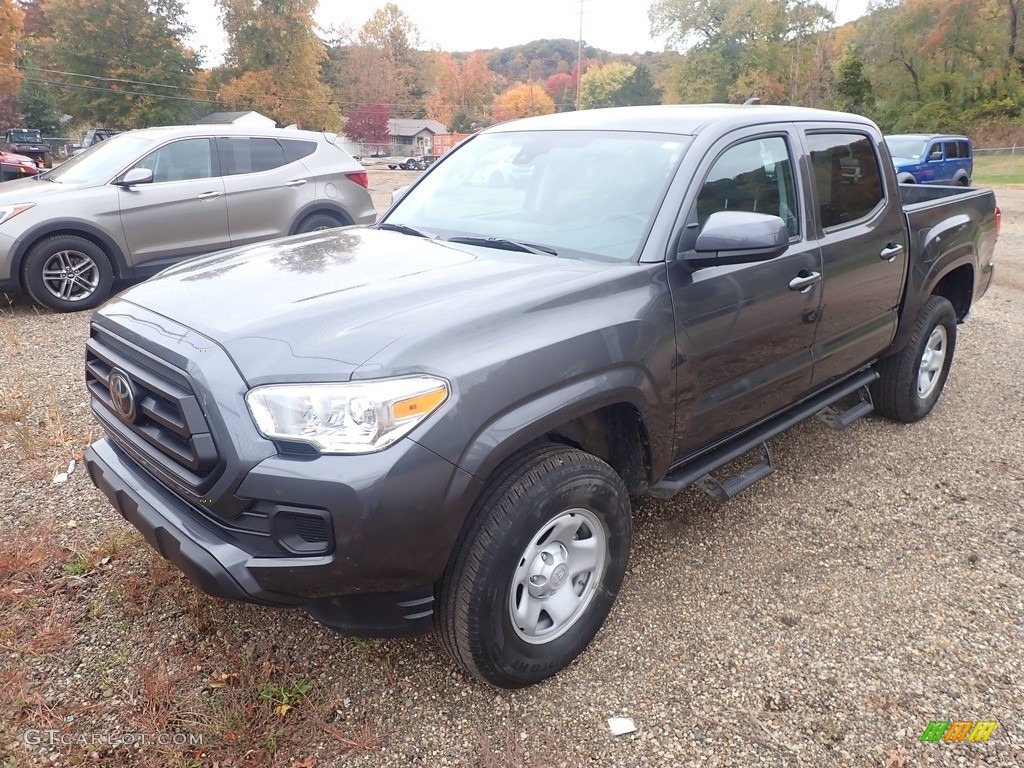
point(351, 417)
point(8, 212)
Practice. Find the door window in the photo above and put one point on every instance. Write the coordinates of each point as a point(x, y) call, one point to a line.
point(180, 161)
point(935, 153)
point(245, 155)
point(847, 177)
point(756, 176)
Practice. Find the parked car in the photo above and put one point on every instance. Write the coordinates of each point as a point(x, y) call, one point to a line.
point(15, 166)
point(92, 137)
point(439, 421)
point(932, 159)
point(407, 163)
point(143, 200)
point(28, 142)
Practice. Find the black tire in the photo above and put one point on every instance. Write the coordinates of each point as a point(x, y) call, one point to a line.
point(964, 181)
point(317, 221)
point(538, 499)
point(78, 273)
point(910, 383)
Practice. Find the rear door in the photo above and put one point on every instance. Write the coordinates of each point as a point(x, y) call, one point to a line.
point(265, 189)
point(863, 246)
point(182, 212)
point(744, 333)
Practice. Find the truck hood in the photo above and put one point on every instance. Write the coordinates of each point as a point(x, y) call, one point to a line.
point(317, 306)
point(901, 162)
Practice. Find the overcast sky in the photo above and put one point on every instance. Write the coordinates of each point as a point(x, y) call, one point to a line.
point(617, 26)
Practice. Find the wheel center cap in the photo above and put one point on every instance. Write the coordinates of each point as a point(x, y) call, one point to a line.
point(558, 576)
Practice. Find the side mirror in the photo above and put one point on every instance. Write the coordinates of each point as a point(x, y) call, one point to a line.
point(738, 237)
point(398, 194)
point(136, 176)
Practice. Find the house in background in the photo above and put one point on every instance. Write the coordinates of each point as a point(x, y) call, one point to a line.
point(251, 119)
point(413, 137)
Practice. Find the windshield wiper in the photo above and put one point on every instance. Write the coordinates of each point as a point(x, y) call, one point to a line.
point(505, 244)
point(406, 230)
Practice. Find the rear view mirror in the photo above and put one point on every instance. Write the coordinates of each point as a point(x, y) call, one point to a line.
point(739, 237)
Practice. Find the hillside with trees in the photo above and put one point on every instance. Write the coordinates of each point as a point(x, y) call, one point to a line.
point(930, 65)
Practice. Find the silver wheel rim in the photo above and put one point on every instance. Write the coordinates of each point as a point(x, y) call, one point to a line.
point(932, 360)
point(557, 576)
point(71, 275)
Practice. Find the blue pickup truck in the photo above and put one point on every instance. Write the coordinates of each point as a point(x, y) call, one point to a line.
point(932, 159)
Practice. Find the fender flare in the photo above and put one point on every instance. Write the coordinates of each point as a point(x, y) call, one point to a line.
point(320, 206)
point(77, 227)
point(512, 429)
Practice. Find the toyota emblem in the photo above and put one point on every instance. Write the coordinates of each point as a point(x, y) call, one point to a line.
point(122, 394)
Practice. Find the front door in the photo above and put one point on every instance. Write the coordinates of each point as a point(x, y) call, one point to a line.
point(182, 212)
point(744, 334)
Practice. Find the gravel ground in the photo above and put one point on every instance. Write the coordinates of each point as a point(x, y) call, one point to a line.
point(872, 584)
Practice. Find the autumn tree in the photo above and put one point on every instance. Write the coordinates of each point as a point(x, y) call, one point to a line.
point(274, 55)
point(561, 87)
point(853, 88)
point(382, 63)
point(11, 21)
point(369, 124)
point(522, 100)
point(463, 92)
point(131, 65)
point(735, 49)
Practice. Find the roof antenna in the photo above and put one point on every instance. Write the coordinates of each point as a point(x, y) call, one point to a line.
point(751, 102)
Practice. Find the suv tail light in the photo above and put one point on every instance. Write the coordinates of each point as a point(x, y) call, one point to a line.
point(359, 177)
point(999, 221)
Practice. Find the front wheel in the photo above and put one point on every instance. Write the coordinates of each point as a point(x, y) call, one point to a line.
point(536, 573)
point(911, 380)
point(67, 273)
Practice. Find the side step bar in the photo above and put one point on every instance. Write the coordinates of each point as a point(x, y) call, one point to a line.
point(688, 474)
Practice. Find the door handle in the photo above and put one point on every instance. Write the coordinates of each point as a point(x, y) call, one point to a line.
point(804, 281)
point(891, 251)
point(208, 196)
point(295, 183)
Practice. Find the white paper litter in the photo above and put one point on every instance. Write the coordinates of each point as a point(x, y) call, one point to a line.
point(60, 478)
point(621, 725)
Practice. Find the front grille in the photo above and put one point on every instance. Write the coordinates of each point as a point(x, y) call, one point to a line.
point(166, 429)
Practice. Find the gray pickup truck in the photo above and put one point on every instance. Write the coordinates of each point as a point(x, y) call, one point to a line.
point(439, 420)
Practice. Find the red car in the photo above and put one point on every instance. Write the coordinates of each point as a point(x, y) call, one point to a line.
point(14, 166)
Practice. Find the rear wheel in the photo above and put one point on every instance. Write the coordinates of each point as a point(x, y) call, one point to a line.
point(67, 273)
point(538, 569)
point(316, 223)
point(911, 380)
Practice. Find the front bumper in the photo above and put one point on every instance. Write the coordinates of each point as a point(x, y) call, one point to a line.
point(337, 589)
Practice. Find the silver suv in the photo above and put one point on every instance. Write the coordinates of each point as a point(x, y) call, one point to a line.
point(140, 201)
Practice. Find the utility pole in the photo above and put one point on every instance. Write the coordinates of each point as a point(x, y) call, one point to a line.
point(579, 58)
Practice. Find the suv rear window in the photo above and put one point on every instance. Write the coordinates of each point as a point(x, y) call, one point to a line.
point(296, 150)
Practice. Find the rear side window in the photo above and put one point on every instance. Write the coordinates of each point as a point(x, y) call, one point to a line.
point(963, 150)
point(847, 177)
point(296, 150)
point(243, 155)
point(755, 176)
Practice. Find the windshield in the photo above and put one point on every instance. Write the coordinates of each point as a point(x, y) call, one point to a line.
point(101, 161)
point(582, 194)
point(27, 137)
point(905, 146)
